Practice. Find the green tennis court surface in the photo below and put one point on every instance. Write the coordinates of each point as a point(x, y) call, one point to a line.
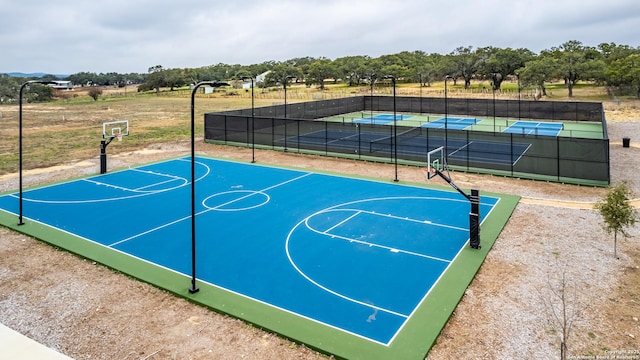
point(580, 129)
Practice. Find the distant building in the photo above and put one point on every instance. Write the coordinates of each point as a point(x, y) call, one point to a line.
point(259, 80)
point(62, 85)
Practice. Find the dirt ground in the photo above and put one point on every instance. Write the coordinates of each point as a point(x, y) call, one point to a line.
point(87, 311)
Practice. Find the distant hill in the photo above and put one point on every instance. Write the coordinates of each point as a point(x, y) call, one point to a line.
point(35, 75)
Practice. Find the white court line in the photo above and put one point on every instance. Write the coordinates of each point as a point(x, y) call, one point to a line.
point(392, 249)
point(198, 213)
point(460, 148)
point(399, 218)
point(342, 222)
point(117, 198)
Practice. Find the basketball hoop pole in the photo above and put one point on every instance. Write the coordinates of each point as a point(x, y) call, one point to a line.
point(103, 155)
point(474, 214)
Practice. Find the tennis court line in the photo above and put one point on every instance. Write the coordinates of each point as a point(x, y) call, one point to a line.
point(460, 148)
point(522, 154)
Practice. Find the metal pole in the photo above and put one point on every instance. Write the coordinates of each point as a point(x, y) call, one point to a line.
point(395, 131)
point(286, 79)
point(194, 289)
point(253, 120)
point(518, 76)
point(253, 125)
point(494, 108)
point(285, 106)
point(395, 127)
point(20, 222)
point(372, 79)
point(420, 93)
point(446, 120)
point(43, 82)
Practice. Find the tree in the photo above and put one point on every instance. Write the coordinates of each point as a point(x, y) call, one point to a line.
point(319, 71)
point(538, 71)
point(577, 62)
point(563, 307)
point(95, 93)
point(625, 72)
point(504, 62)
point(352, 68)
point(280, 74)
point(617, 212)
point(467, 63)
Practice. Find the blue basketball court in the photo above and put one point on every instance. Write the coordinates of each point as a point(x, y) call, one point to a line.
point(351, 255)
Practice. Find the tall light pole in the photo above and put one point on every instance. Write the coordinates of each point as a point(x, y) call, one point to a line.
point(194, 289)
point(253, 120)
point(284, 83)
point(395, 127)
point(493, 90)
point(446, 118)
point(518, 76)
point(372, 80)
point(420, 75)
point(42, 82)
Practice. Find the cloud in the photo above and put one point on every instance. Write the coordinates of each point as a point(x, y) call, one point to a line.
point(130, 36)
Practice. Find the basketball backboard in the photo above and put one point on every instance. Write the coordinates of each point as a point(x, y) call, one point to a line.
point(435, 162)
point(115, 129)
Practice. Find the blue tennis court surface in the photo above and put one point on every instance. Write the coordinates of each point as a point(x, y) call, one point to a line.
point(452, 123)
point(534, 128)
point(354, 255)
point(381, 119)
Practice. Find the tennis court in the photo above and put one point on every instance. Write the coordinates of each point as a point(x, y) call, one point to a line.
point(452, 123)
point(412, 142)
point(382, 119)
point(534, 128)
point(351, 266)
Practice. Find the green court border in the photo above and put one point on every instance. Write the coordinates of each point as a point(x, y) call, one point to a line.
point(413, 342)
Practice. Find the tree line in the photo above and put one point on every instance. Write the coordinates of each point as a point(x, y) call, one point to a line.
point(609, 64)
point(615, 66)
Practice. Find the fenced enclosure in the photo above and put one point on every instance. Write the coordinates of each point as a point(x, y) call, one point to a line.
point(301, 127)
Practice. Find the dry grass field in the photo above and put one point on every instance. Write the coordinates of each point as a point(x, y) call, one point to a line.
point(87, 311)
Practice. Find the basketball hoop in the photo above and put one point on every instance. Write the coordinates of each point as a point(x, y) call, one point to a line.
point(118, 136)
point(428, 172)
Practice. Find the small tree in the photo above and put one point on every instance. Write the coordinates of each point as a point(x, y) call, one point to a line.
point(563, 306)
point(617, 212)
point(95, 93)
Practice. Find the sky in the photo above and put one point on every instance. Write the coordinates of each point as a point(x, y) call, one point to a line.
point(130, 36)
